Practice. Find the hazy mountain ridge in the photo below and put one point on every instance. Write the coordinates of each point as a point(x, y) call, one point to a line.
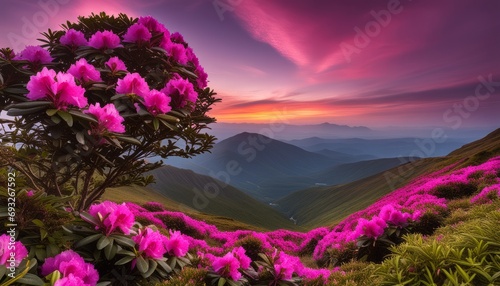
point(380, 148)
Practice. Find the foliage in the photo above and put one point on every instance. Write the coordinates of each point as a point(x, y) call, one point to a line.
point(64, 144)
point(253, 246)
point(468, 256)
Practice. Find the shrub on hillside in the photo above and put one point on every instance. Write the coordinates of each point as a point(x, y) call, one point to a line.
point(457, 190)
point(96, 99)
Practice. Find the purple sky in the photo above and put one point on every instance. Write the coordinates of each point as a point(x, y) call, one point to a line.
point(373, 63)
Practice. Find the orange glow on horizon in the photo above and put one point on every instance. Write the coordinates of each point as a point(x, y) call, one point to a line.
point(293, 112)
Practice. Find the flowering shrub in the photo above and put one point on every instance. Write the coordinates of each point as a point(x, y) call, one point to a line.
point(96, 99)
point(69, 268)
point(11, 253)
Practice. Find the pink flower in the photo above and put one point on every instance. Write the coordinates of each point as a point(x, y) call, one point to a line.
point(115, 64)
point(394, 216)
point(73, 38)
point(284, 266)
point(104, 40)
point(30, 193)
point(157, 102)
point(108, 118)
point(137, 33)
point(176, 51)
point(113, 216)
point(176, 37)
point(153, 25)
point(60, 88)
point(84, 71)
point(181, 91)
point(69, 263)
point(243, 259)
point(373, 228)
point(192, 57)
point(176, 245)
point(132, 83)
point(7, 246)
point(201, 81)
point(70, 280)
point(151, 243)
point(227, 266)
point(35, 55)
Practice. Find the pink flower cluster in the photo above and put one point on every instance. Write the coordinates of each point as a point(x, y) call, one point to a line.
point(74, 270)
point(108, 118)
point(34, 55)
point(59, 88)
point(153, 244)
point(112, 216)
point(11, 252)
point(68, 89)
point(229, 265)
point(486, 195)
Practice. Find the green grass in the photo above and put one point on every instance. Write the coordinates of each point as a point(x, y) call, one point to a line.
point(141, 195)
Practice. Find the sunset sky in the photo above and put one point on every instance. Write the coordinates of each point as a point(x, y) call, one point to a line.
point(372, 63)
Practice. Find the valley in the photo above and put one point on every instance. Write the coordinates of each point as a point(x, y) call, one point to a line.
point(296, 184)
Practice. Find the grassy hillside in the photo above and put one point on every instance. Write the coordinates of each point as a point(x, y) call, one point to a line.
point(328, 205)
point(208, 195)
point(351, 172)
point(141, 195)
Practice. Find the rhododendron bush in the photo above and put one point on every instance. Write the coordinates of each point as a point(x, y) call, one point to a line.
point(96, 99)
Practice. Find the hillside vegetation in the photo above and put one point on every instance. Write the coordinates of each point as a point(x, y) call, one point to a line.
point(328, 205)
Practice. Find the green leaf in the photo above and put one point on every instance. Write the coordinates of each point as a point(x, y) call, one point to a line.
point(222, 281)
point(30, 104)
point(17, 111)
point(142, 265)
point(29, 279)
point(89, 218)
point(168, 118)
point(55, 119)
point(80, 138)
point(66, 117)
point(118, 96)
point(110, 251)
point(103, 242)
point(82, 115)
point(152, 268)
point(124, 260)
point(51, 112)
point(38, 222)
point(131, 140)
point(123, 241)
point(164, 266)
point(54, 276)
point(168, 125)
point(156, 124)
point(88, 240)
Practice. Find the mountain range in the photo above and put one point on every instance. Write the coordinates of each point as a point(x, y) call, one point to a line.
point(346, 187)
point(269, 169)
